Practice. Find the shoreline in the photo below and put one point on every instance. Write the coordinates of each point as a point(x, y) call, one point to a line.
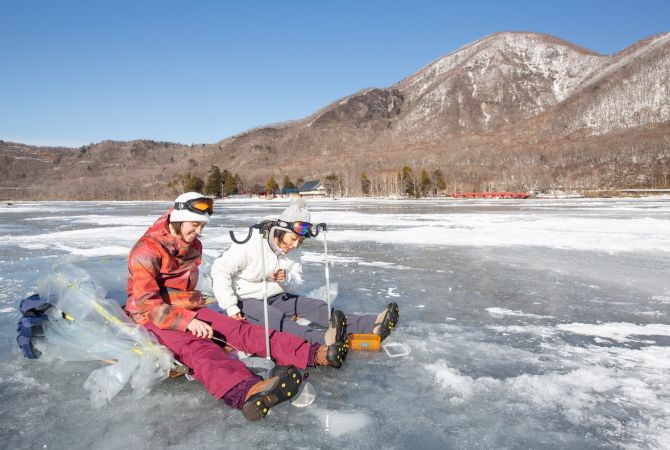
point(567, 196)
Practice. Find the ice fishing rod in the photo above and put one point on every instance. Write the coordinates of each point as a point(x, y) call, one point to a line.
point(324, 227)
point(265, 299)
point(264, 230)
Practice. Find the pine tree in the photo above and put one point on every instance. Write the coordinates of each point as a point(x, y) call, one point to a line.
point(192, 183)
point(407, 181)
point(229, 185)
point(214, 182)
point(287, 183)
point(271, 186)
point(366, 184)
point(425, 183)
point(331, 183)
point(238, 184)
point(438, 181)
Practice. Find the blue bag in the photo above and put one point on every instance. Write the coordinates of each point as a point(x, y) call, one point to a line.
point(34, 306)
point(31, 324)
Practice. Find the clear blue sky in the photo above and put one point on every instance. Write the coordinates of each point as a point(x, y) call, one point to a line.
point(75, 72)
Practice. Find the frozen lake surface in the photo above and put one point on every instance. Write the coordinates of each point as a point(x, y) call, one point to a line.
point(531, 323)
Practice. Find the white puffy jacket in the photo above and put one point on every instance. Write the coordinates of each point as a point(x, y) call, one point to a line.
point(237, 273)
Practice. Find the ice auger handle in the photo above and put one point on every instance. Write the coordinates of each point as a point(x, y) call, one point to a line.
point(245, 240)
point(264, 226)
point(317, 228)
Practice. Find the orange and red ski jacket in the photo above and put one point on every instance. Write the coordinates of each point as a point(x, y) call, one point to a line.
point(162, 275)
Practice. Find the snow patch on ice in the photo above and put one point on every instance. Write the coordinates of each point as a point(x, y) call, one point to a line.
point(314, 257)
point(459, 386)
point(382, 264)
point(128, 234)
point(652, 313)
point(501, 312)
point(537, 330)
point(609, 234)
point(661, 298)
point(97, 219)
point(7, 310)
point(620, 332)
point(580, 395)
point(104, 250)
point(392, 292)
point(34, 246)
point(338, 423)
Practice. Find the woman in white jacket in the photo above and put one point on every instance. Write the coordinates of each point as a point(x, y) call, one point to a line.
point(237, 278)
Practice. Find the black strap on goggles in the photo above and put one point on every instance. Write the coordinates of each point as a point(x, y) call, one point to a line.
point(304, 229)
point(200, 205)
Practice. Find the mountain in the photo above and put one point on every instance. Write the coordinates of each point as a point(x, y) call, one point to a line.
point(522, 111)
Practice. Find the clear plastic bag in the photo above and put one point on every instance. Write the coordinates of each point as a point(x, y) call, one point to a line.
point(87, 325)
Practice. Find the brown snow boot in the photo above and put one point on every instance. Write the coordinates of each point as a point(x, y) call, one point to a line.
point(337, 329)
point(387, 320)
point(332, 355)
point(265, 394)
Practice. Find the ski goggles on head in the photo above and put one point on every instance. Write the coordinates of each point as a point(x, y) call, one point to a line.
point(303, 229)
point(200, 205)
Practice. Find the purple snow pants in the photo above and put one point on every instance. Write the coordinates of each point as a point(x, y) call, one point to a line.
point(219, 371)
point(282, 307)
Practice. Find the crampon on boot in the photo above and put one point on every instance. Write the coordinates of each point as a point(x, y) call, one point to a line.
point(265, 394)
point(337, 353)
point(387, 320)
point(337, 329)
point(332, 355)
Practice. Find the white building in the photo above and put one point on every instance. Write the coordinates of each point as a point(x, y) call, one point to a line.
point(312, 189)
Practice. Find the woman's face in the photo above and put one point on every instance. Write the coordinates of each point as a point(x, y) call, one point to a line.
point(289, 241)
point(191, 230)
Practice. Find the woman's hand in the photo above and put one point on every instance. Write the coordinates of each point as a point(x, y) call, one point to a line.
point(200, 329)
point(237, 316)
point(279, 275)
